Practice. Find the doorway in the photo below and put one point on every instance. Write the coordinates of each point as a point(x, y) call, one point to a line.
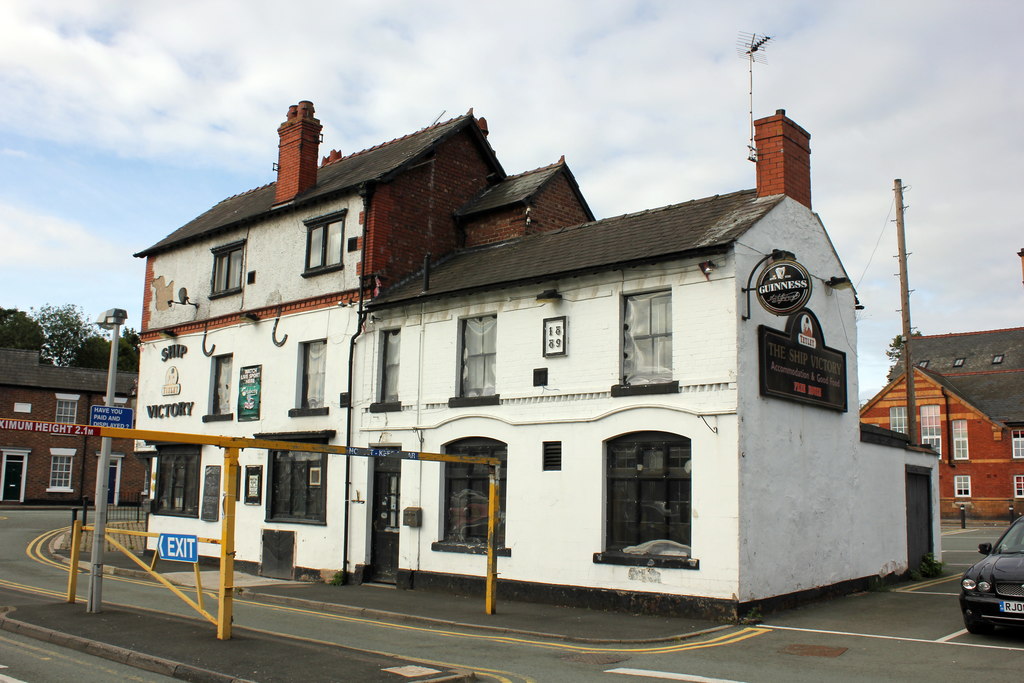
point(385, 520)
point(919, 514)
point(12, 489)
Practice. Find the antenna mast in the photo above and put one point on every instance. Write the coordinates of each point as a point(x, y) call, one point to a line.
point(751, 47)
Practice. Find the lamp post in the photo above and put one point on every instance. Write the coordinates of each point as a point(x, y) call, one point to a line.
point(111, 320)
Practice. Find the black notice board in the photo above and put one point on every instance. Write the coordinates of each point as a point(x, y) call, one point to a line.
point(211, 494)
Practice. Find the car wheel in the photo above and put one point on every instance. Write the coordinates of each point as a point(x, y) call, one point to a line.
point(982, 628)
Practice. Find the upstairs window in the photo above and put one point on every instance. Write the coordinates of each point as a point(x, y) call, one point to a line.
point(997, 359)
point(227, 268)
point(647, 338)
point(324, 243)
point(67, 409)
point(960, 439)
point(1017, 436)
point(898, 419)
point(390, 346)
point(479, 354)
point(922, 363)
point(931, 427)
point(220, 400)
point(313, 373)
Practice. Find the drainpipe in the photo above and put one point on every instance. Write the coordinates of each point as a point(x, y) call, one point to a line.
point(366, 192)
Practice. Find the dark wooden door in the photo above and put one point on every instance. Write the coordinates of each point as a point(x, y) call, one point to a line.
point(14, 467)
point(386, 521)
point(919, 515)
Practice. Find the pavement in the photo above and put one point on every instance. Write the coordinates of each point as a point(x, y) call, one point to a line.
point(187, 648)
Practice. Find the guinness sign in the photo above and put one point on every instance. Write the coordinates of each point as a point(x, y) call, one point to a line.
point(783, 287)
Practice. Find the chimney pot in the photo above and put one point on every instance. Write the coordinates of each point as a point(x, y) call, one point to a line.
point(482, 123)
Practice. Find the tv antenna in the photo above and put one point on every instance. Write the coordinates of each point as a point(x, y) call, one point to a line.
point(751, 47)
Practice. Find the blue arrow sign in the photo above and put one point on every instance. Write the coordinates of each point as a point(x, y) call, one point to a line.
point(111, 416)
point(178, 547)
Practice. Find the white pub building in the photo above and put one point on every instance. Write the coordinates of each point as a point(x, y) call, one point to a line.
point(672, 392)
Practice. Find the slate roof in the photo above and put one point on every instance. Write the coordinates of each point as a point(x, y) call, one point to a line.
point(995, 388)
point(343, 175)
point(698, 226)
point(22, 369)
point(519, 189)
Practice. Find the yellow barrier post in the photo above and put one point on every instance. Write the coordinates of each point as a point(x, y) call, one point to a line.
point(227, 545)
point(76, 543)
point(492, 540)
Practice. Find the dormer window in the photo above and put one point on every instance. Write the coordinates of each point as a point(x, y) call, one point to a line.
point(958, 362)
point(922, 363)
point(997, 359)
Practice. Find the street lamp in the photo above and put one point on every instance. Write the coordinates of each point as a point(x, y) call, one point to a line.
point(111, 320)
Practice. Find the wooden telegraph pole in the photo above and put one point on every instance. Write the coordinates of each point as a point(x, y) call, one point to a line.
point(908, 364)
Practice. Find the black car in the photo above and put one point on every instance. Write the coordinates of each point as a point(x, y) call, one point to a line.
point(992, 591)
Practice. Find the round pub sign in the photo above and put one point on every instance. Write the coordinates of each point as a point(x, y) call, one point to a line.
point(783, 287)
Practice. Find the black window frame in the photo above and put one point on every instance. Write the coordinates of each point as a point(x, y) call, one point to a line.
point(323, 224)
point(223, 255)
point(304, 398)
point(296, 469)
point(475, 481)
point(629, 510)
point(178, 469)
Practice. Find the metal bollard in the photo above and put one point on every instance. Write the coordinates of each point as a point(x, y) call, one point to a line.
point(1011, 513)
point(963, 516)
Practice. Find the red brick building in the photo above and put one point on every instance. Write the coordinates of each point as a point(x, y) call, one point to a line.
point(44, 468)
point(969, 391)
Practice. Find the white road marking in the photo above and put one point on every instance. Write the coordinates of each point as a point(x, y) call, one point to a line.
point(880, 637)
point(8, 679)
point(951, 636)
point(667, 675)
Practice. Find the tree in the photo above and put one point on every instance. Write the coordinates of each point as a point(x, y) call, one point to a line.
point(895, 351)
point(19, 331)
point(66, 330)
point(95, 352)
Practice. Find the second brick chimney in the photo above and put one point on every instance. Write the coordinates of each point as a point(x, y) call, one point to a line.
point(783, 158)
point(297, 152)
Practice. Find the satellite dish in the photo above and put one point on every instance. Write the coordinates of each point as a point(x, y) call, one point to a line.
point(182, 296)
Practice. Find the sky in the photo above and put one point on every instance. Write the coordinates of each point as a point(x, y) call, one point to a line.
point(123, 120)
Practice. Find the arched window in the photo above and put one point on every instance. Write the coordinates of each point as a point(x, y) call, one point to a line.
point(649, 494)
point(466, 488)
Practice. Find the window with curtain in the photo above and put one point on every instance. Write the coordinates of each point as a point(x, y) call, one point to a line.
point(313, 374)
point(221, 403)
point(648, 493)
point(647, 338)
point(227, 268)
point(390, 342)
point(324, 245)
point(931, 427)
point(479, 353)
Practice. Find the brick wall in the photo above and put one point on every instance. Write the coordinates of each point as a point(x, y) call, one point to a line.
point(37, 477)
point(413, 214)
point(989, 464)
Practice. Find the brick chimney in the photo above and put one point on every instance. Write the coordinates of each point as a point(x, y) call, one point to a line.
point(297, 152)
point(783, 158)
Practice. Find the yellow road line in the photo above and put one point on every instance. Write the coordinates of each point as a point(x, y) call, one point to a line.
point(928, 584)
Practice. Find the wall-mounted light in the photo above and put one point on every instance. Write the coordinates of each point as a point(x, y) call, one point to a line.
point(780, 254)
point(168, 334)
point(839, 282)
point(549, 296)
point(250, 316)
point(706, 267)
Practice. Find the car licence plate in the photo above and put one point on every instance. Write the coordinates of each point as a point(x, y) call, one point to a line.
point(1012, 607)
